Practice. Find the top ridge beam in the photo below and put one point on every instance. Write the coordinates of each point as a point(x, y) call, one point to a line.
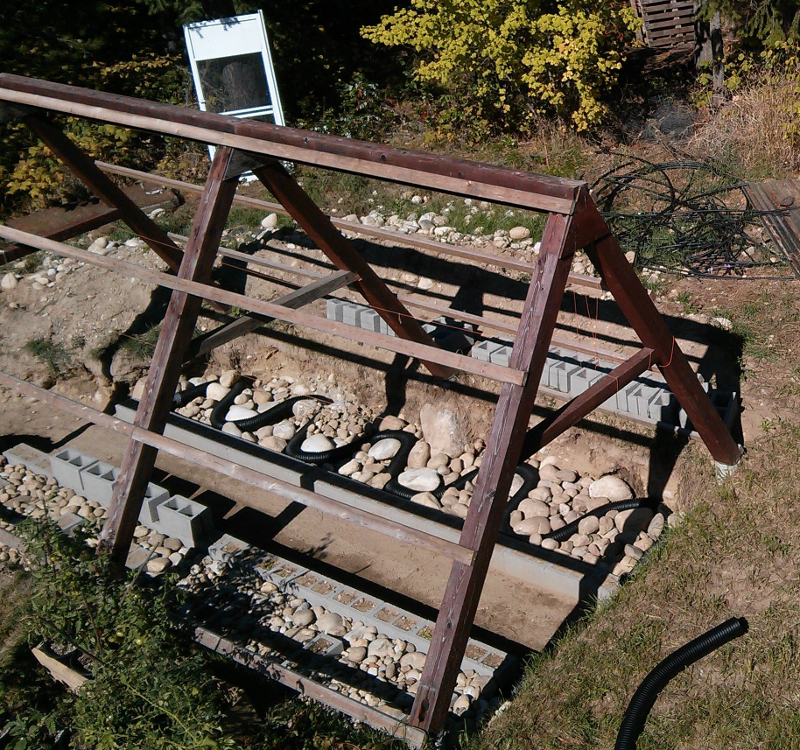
point(503, 185)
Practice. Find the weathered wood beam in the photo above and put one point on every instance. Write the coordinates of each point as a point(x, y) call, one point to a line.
point(485, 181)
point(345, 257)
point(638, 308)
point(83, 166)
point(162, 377)
point(245, 474)
point(298, 298)
point(581, 406)
point(423, 243)
point(315, 322)
point(101, 216)
point(482, 524)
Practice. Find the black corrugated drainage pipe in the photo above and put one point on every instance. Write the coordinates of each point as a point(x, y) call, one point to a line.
point(646, 694)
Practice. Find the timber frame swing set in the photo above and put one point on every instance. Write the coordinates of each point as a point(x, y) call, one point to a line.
point(573, 223)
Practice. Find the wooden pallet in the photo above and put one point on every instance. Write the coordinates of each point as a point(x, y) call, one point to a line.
point(779, 204)
point(667, 24)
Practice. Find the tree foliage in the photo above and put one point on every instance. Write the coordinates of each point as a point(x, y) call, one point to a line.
point(509, 60)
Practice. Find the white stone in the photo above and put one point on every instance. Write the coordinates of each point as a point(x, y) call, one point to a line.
point(270, 221)
point(217, 391)
point(415, 660)
point(237, 413)
point(228, 378)
point(531, 507)
point(383, 449)
point(420, 480)
point(516, 485)
point(426, 499)
point(588, 525)
point(317, 444)
point(611, 487)
point(304, 618)
point(519, 233)
point(533, 525)
point(350, 468)
point(442, 430)
point(419, 455)
point(9, 281)
point(284, 430)
point(229, 428)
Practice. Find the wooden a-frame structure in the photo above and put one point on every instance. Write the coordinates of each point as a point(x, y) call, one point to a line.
point(573, 223)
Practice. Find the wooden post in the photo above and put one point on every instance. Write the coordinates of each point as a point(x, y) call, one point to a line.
point(493, 482)
point(344, 256)
point(162, 378)
point(83, 166)
point(638, 308)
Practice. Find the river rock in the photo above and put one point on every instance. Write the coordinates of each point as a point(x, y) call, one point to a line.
point(217, 391)
point(427, 499)
point(9, 282)
point(611, 487)
point(380, 647)
point(420, 480)
point(331, 624)
point(633, 520)
point(357, 654)
point(519, 233)
point(284, 430)
point(158, 565)
point(384, 449)
point(237, 413)
point(270, 221)
point(228, 378)
point(419, 455)
point(588, 525)
point(350, 468)
point(304, 618)
point(229, 428)
point(530, 507)
point(533, 525)
point(442, 430)
point(415, 660)
point(656, 526)
point(273, 443)
point(391, 423)
point(317, 444)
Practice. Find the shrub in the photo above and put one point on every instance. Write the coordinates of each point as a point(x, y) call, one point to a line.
point(506, 61)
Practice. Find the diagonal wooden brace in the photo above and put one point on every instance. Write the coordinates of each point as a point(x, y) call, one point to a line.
point(82, 166)
point(638, 308)
point(345, 257)
point(293, 300)
point(162, 378)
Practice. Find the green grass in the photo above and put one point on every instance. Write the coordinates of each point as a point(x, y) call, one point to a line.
point(52, 354)
point(734, 555)
point(142, 345)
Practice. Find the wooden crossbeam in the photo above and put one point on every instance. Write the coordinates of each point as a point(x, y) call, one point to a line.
point(245, 474)
point(315, 322)
point(87, 221)
point(573, 411)
point(162, 378)
point(345, 257)
point(492, 485)
point(293, 300)
point(503, 185)
point(423, 243)
point(84, 167)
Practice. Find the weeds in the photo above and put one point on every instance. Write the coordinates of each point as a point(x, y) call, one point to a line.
point(53, 355)
point(143, 345)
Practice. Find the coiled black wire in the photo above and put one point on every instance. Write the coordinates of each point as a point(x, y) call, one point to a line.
point(565, 532)
point(645, 696)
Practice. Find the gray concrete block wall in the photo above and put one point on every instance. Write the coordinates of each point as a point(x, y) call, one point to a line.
point(67, 465)
point(98, 481)
point(24, 454)
point(184, 519)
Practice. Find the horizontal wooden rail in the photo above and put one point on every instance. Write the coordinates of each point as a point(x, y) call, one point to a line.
point(581, 406)
point(470, 179)
point(401, 346)
point(244, 474)
point(389, 235)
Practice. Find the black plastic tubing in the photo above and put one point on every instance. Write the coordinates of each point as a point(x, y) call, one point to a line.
point(645, 696)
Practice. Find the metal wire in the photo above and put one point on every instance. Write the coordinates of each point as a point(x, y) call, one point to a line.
point(686, 217)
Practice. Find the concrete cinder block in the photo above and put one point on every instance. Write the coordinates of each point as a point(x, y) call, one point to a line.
point(561, 375)
point(483, 350)
point(154, 495)
point(69, 522)
point(184, 519)
point(372, 321)
point(351, 313)
point(662, 407)
point(67, 464)
point(501, 356)
point(43, 467)
point(227, 547)
point(582, 379)
point(98, 482)
point(23, 454)
point(333, 310)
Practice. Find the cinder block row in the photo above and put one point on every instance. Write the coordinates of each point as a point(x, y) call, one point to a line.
point(31, 458)
point(353, 314)
point(389, 620)
point(646, 398)
point(175, 516)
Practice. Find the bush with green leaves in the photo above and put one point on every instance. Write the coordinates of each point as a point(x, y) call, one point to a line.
point(506, 61)
point(149, 687)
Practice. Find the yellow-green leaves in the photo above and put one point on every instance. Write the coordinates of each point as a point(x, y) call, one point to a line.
point(512, 59)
